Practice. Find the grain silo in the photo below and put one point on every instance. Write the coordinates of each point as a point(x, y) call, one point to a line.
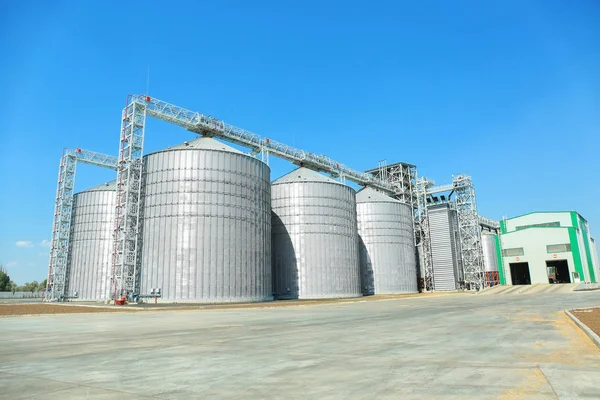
point(387, 247)
point(315, 239)
point(490, 257)
point(206, 224)
point(91, 243)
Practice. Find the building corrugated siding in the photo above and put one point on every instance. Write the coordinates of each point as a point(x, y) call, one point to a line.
point(442, 228)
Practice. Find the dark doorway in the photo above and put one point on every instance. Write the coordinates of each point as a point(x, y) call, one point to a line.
point(558, 271)
point(520, 273)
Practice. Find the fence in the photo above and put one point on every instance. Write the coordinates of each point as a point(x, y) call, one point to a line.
point(20, 295)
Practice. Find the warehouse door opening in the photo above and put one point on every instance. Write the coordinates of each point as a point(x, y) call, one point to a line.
point(520, 273)
point(558, 271)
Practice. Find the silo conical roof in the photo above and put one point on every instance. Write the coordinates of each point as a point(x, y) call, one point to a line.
point(204, 143)
point(112, 185)
point(303, 174)
point(370, 195)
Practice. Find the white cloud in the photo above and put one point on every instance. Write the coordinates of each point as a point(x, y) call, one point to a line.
point(24, 243)
point(45, 243)
point(11, 264)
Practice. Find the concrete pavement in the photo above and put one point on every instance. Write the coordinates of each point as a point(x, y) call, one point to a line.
point(456, 347)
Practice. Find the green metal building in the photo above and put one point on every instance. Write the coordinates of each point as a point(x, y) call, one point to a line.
point(546, 247)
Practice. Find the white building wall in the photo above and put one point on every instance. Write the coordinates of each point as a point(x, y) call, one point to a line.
point(534, 242)
point(539, 218)
point(595, 258)
point(584, 263)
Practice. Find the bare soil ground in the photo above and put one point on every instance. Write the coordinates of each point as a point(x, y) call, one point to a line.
point(42, 308)
point(590, 317)
point(31, 308)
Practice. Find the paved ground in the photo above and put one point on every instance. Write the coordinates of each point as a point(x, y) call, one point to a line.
point(459, 346)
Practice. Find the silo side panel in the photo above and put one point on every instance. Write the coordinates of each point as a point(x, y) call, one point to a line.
point(388, 262)
point(490, 257)
point(207, 226)
point(91, 250)
point(315, 241)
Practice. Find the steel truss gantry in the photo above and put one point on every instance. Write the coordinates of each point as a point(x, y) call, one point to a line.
point(58, 265)
point(469, 226)
point(139, 107)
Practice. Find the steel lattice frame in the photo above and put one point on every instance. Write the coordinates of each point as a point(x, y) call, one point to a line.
point(423, 233)
point(469, 225)
point(58, 265)
point(401, 176)
point(129, 186)
point(470, 232)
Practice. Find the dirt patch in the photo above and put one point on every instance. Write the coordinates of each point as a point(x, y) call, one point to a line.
point(590, 317)
point(7, 309)
point(42, 308)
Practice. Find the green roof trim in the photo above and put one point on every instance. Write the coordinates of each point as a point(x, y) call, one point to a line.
point(537, 227)
point(574, 219)
point(502, 226)
point(545, 212)
point(576, 253)
point(500, 260)
point(588, 253)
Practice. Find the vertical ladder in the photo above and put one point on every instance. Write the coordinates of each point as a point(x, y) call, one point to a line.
point(129, 186)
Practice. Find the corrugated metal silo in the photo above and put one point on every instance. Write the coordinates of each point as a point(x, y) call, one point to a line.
point(91, 243)
point(315, 239)
point(490, 256)
point(206, 224)
point(445, 247)
point(387, 248)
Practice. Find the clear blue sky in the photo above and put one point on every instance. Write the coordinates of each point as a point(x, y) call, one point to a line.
point(505, 91)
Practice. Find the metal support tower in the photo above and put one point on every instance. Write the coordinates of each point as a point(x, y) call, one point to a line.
point(58, 265)
point(422, 232)
point(400, 175)
point(470, 232)
point(129, 186)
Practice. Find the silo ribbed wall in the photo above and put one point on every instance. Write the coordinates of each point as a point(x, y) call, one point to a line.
point(315, 241)
point(91, 250)
point(206, 225)
point(387, 249)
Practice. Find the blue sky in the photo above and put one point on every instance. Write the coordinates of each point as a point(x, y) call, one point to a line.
point(505, 91)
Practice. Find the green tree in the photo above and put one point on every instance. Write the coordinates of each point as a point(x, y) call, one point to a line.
point(42, 285)
point(4, 280)
point(33, 286)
